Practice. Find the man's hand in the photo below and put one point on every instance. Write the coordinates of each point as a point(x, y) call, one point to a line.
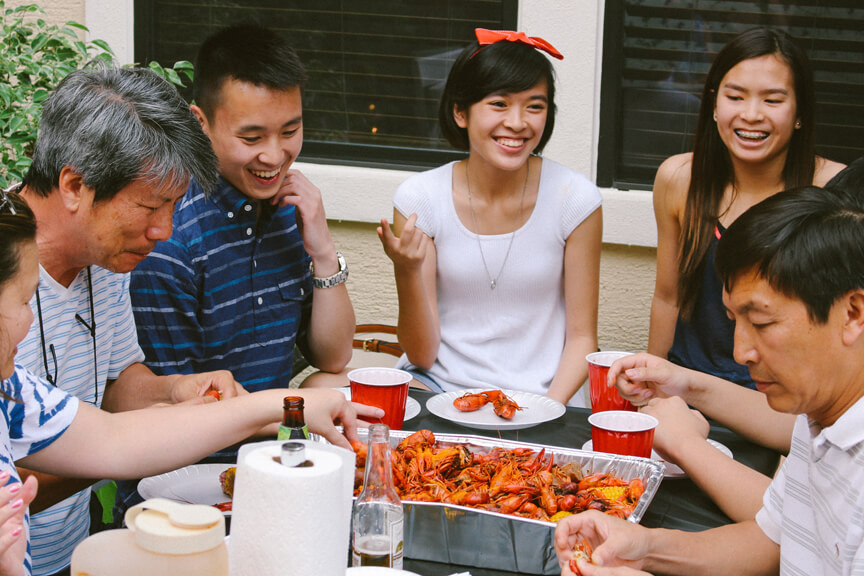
point(640, 377)
point(14, 500)
point(408, 250)
point(199, 387)
point(614, 542)
point(299, 192)
point(678, 424)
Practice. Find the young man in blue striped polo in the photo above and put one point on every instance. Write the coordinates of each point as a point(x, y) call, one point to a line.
point(233, 288)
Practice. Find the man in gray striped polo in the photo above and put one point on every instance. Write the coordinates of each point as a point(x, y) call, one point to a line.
point(233, 289)
point(793, 273)
point(115, 151)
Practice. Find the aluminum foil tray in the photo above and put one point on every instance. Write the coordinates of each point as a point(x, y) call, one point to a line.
point(453, 534)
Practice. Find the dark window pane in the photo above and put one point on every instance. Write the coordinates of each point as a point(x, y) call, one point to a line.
point(376, 68)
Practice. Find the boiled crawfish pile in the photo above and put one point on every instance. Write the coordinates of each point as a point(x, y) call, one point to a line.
point(515, 481)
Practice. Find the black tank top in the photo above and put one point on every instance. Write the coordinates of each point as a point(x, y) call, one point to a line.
point(705, 341)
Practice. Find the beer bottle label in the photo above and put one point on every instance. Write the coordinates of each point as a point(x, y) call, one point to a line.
point(396, 542)
point(293, 433)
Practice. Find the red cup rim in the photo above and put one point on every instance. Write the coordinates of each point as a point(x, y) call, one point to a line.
point(398, 377)
point(606, 358)
point(642, 422)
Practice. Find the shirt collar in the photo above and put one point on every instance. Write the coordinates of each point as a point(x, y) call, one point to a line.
point(230, 201)
point(846, 432)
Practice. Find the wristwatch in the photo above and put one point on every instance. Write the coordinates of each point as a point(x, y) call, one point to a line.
point(334, 280)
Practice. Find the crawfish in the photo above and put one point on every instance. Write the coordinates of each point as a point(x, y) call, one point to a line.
point(469, 402)
point(582, 551)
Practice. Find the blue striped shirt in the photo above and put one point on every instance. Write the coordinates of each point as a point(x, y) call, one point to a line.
point(231, 290)
point(56, 531)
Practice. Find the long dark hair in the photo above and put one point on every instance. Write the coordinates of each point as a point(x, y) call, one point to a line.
point(711, 169)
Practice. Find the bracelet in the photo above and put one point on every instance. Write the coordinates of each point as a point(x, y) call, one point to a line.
point(330, 281)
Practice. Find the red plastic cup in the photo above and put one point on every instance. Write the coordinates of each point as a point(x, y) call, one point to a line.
point(623, 432)
point(605, 397)
point(385, 388)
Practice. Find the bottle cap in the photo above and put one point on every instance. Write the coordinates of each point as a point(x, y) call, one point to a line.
point(168, 527)
point(293, 454)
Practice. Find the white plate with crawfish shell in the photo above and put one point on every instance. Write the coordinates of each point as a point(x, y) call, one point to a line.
point(536, 410)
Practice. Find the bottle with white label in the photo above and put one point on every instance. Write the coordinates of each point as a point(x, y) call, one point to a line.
point(378, 518)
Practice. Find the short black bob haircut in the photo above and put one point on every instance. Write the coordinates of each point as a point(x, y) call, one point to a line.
point(504, 66)
point(249, 53)
point(808, 243)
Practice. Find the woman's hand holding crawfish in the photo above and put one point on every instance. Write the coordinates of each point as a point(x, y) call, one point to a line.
point(408, 250)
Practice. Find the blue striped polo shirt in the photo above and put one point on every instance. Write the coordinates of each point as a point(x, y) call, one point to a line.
point(231, 290)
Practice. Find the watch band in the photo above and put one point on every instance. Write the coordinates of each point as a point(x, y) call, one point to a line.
point(330, 281)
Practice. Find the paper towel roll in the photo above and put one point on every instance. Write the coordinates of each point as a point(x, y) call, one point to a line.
point(291, 521)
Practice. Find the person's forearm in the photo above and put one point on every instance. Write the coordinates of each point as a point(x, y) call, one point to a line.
point(740, 409)
point(418, 329)
point(735, 488)
point(138, 387)
point(661, 330)
point(145, 442)
point(741, 549)
point(331, 328)
point(53, 489)
point(572, 370)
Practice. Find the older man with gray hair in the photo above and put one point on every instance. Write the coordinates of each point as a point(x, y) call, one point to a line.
point(115, 152)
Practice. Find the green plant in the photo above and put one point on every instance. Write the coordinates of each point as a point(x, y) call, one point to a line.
point(34, 57)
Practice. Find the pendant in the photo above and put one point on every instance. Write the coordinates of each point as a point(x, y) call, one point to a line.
point(492, 284)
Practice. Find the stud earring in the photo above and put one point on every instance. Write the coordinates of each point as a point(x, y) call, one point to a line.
point(715, 116)
point(797, 124)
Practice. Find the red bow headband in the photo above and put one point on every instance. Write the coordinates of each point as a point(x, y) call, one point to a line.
point(486, 37)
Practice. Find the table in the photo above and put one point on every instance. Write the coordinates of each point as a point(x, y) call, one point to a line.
point(678, 504)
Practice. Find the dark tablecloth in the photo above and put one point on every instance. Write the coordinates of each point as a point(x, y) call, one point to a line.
point(679, 503)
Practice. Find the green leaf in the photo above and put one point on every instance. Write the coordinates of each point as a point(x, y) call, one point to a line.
point(183, 65)
point(77, 25)
point(172, 77)
point(157, 68)
point(103, 45)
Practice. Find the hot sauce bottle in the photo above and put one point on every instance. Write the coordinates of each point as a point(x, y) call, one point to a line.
point(293, 423)
point(378, 517)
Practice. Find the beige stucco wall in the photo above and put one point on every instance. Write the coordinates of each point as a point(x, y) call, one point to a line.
point(626, 284)
point(56, 11)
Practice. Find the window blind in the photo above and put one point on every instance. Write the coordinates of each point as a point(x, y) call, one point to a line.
point(376, 68)
point(656, 56)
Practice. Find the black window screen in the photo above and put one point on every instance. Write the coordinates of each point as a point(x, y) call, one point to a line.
point(656, 54)
point(376, 67)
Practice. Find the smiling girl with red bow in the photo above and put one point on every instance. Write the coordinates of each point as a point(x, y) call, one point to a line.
point(497, 255)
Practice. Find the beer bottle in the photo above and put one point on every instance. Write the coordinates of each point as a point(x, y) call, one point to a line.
point(293, 424)
point(378, 518)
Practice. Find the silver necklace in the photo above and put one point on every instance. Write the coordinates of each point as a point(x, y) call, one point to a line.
point(493, 282)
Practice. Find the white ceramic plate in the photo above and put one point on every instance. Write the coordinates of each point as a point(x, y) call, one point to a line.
point(376, 571)
point(197, 484)
point(536, 410)
point(412, 407)
point(672, 470)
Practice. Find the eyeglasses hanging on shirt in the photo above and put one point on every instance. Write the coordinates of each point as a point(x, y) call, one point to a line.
point(50, 375)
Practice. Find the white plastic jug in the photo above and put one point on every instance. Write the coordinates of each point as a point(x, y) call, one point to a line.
point(163, 537)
